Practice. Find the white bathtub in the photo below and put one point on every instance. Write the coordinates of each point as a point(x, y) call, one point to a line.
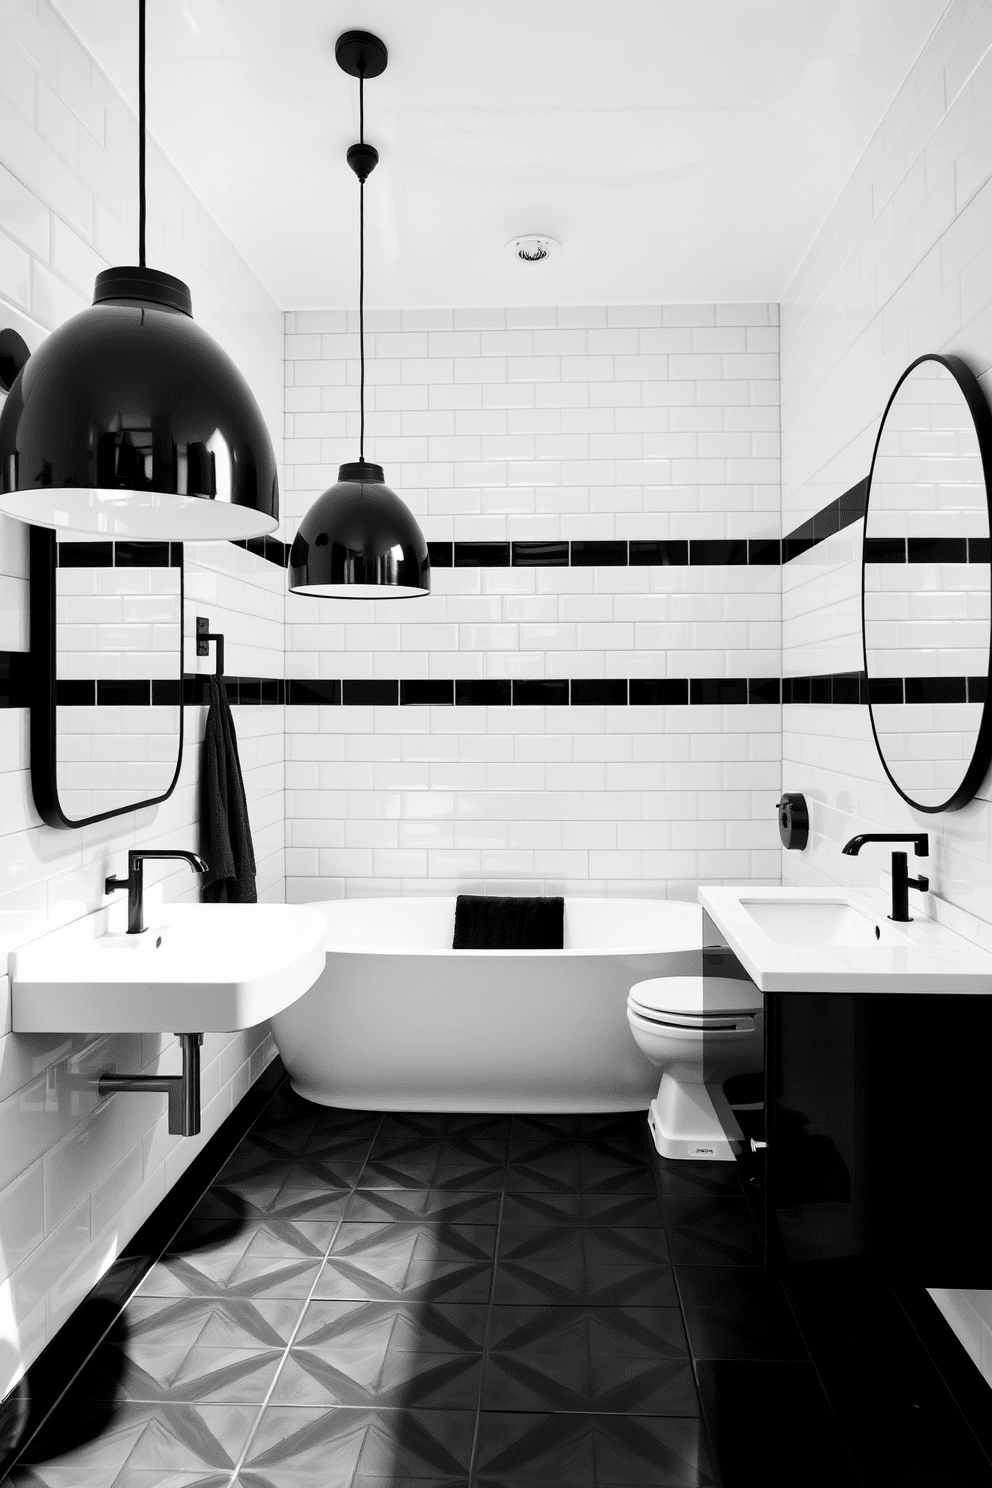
point(398, 1021)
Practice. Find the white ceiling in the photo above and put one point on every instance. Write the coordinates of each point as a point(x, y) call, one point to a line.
point(680, 151)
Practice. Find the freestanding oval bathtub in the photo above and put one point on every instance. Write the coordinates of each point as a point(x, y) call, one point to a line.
point(398, 1021)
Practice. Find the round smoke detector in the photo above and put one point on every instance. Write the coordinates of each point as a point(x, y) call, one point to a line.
point(533, 248)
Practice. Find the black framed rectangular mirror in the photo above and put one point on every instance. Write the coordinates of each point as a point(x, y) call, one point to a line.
point(106, 676)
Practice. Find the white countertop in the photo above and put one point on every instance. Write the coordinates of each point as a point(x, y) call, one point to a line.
point(921, 956)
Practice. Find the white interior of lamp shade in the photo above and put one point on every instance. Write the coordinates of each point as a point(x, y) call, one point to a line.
point(142, 515)
point(360, 591)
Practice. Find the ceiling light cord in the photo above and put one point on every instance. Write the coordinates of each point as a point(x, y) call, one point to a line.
point(141, 133)
point(361, 274)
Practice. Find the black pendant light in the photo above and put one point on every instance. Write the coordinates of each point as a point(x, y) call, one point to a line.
point(358, 540)
point(130, 421)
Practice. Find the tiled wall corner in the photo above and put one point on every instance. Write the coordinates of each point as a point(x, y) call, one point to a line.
point(901, 267)
point(78, 1176)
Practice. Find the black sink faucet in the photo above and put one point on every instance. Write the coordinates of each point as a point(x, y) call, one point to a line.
point(135, 881)
point(901, 881)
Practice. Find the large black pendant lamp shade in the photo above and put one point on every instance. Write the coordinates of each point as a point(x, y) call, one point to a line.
point(130, 421)
point(359, 540)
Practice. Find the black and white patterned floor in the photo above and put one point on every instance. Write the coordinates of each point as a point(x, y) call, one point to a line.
point(365, 1301)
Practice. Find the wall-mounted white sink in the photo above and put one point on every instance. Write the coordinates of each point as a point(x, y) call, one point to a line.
point(820, 922)
point(838, 940)
point(206, 968)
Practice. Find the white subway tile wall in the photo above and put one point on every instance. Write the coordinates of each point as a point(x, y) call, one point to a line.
point(620, 422)
point(901, 267)
point(78, 1176)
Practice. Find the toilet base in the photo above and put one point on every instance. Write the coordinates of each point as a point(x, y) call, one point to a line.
point(693, 1122)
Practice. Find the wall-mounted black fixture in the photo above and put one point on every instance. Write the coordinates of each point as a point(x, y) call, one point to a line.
point(130, 421)
point(793, 822)
point(204, 635)
point(14, 353)
point(135, 881)
point(359, 540)
point(183, 1090)
point(901, 881)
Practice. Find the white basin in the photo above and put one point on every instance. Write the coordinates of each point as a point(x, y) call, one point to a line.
point(840, 940)
point(199, 968)
point(820, 922)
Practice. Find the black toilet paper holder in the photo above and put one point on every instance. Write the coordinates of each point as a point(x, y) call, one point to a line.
point(793, 821)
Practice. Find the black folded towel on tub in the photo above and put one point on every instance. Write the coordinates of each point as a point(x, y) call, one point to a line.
point(492, 922)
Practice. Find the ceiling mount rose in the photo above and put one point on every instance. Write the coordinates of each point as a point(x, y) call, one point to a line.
point(360, 54)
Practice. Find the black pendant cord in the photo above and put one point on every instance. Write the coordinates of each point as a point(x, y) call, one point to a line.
point(361, 274)
point(141, 133)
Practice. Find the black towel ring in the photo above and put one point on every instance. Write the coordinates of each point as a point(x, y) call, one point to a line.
point(204, 635)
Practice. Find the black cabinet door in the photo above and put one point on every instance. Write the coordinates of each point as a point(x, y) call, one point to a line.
point(878, 1133)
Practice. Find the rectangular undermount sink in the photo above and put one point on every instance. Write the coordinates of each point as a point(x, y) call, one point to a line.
point(820, 922)
point(841, 940)
point(198, 968)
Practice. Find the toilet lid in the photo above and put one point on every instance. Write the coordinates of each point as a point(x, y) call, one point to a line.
point(722, 995)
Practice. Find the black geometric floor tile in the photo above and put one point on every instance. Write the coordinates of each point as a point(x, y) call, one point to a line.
point(299, 1125)
point(386, 1354)
point(565, 1265)
point(276, 1233)
point(252, 1264)
point(416, 1262)
point(734, 1312)
point(600, 1359)
point(296, 1446)
point(578, 1167)
point(451, 1163)
point(154, 1438)
point(50, 1475)
point(618, 1139)
point(439, 1205)
point(433, 1126)
point(229, 1211)
point(262, 1166)
point(289, 1193)
point(712, 1232)
point(770, 1424)
point(160, 1330)
point(624, 1210)
point(213, 1376)
point(591, 1451)
point(697, 1180)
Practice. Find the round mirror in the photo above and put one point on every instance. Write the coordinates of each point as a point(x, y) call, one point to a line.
point(926, 585)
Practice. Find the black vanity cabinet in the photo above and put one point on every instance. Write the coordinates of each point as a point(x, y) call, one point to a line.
point(878, 1130)
point(877, 1125)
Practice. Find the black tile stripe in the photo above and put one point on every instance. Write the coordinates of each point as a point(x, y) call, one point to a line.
point(854, 687)
point(927, 549)
point(119, 554)
point(540, 554)
point(829, 687)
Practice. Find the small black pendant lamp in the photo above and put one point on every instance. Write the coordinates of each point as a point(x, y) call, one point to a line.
point(130, 421)
point(358, 540)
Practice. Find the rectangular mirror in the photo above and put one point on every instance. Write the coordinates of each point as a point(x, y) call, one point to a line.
point(107, 676)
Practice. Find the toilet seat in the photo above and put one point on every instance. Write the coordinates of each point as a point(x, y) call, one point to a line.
point(709, 1004)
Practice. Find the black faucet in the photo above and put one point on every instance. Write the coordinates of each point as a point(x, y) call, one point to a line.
point(135, 881)
point(901, 881)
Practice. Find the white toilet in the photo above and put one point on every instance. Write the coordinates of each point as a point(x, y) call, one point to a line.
point(700, 1030)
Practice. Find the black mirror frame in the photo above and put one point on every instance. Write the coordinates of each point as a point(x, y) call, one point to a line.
point(978, 407)
point(42, 697)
